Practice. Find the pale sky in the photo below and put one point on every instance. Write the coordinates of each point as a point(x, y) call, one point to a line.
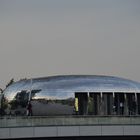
point(56, 37)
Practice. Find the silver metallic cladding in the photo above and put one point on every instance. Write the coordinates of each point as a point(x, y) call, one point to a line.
point(63, 88)
point(68, 84)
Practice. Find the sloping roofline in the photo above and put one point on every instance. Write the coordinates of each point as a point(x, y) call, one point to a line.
point(89, 83)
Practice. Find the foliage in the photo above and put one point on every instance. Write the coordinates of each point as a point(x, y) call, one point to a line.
point(10, 82)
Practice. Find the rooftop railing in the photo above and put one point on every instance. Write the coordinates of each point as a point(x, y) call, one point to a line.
point(34, 121)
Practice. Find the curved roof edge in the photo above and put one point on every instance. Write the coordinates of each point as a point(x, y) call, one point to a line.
point(85, 83)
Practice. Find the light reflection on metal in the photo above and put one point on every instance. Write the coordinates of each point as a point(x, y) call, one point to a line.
point(55, 95)
point(30, 90)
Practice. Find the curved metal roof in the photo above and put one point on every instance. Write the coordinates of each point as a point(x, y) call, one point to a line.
point(75, 83)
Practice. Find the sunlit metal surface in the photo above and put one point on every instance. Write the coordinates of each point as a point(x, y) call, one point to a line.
point(55, 95)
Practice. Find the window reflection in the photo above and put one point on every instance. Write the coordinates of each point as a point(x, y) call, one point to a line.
point(18, 105)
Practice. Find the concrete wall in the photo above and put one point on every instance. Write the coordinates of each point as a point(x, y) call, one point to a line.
point(62, 131)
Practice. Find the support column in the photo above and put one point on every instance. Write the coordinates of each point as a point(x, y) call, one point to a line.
point(114, 107)
point(136, 100)
point(105, 104)
point(125, 104)
point(118, 104)
point(87, 110)
point(109, 103)
point(101, 103)
point(97, 104)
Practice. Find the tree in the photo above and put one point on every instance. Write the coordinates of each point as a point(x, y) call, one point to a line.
point(1, 90)
point(10, 83)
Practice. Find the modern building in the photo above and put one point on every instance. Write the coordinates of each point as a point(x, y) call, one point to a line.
point(72, 95)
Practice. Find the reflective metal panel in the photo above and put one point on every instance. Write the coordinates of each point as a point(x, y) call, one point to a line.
point(55, 95)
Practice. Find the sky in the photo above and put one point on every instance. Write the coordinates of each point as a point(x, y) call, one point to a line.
point(63, 37)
